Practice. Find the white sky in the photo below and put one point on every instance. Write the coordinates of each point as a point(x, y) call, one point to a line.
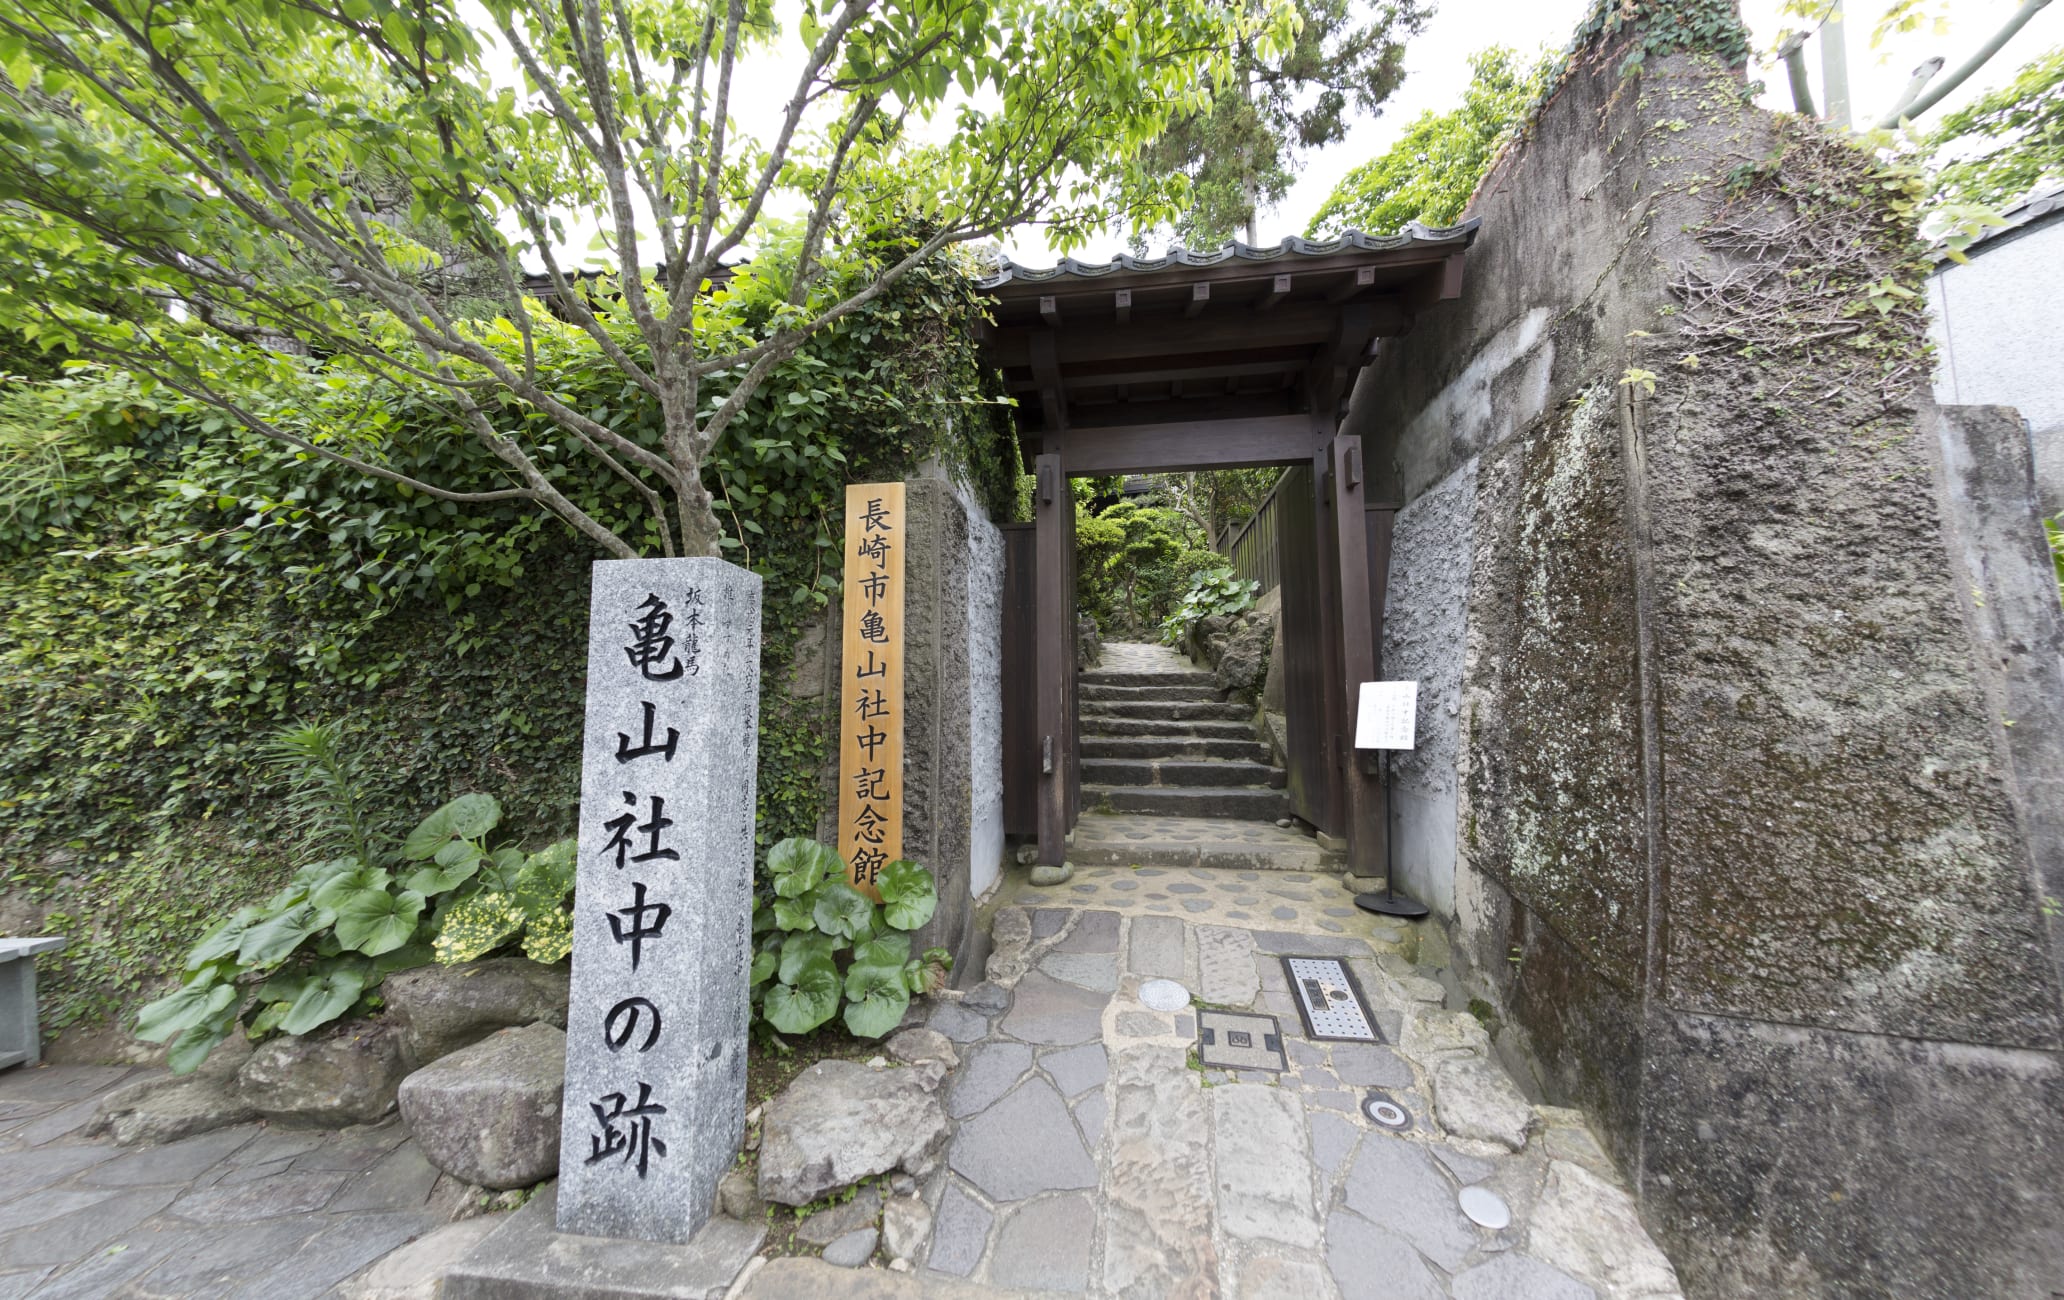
point(1437, 70)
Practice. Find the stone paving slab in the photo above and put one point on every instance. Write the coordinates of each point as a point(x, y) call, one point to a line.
point(248, 1211)
point(1095, 1154)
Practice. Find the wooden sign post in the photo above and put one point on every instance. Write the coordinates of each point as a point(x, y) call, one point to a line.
point(871, 707)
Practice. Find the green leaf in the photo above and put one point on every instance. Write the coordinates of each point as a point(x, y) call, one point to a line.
point(549, 938)
point(476, 926)
point(416, 952)
point(224, 939)
point(908, 896)
point(322, 999)
point(194, 1045)
point(267, 1020)
point(875, 1000)
point(799, 865)
point(469, 817)
point(274, 939)
point(764, 964)
point(358, 880)
point(800, 1007)
point(376, 921)
point(842, 910)
point(886, 949)
point(796, 913)
point(316, 874)
point(805, 949)
point(452, 866)
point(192, 1003)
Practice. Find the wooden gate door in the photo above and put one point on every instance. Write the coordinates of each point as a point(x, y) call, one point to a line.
point(1020, 696)
point(1304, 649)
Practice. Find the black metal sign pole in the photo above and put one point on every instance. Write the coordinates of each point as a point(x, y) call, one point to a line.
point(1390, 902)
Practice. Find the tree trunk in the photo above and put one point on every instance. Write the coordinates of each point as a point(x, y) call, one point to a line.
point(699, 528)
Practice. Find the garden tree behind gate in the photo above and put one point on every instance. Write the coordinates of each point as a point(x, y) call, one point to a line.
point(218, 158)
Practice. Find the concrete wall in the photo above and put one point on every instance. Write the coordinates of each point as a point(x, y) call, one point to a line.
point(1426, 619)
point(1998, 325)
point(1743, 841)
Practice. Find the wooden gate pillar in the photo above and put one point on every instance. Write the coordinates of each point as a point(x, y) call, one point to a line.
point(1053, 513)
point(1362, 809)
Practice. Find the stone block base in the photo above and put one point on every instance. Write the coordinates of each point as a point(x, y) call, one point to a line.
point(526, 1259)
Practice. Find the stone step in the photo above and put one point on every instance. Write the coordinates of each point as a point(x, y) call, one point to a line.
point(1103, 677)
point(1131, 840)
point(1210, 772)
point(1100, 725)
point(1204, 694)
point(1190, 801)
point(1169, 710)
point(1173, 747)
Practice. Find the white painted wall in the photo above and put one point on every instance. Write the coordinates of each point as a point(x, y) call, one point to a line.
point(1998, 325)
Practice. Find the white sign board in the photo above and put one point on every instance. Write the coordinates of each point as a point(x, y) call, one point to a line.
point(1386, 716)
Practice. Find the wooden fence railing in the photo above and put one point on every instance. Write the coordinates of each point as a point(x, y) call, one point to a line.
point(1252, 547)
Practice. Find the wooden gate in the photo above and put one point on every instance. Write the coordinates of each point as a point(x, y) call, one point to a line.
point(1023, 748)
point(1304, 648)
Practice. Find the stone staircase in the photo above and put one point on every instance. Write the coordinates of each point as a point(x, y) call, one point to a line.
point(1167, 744)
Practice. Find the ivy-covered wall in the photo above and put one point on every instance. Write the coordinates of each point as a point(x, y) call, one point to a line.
point(175, 594)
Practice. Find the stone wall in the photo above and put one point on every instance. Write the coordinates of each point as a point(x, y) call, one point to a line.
point(953, 705)
point(1755, 755)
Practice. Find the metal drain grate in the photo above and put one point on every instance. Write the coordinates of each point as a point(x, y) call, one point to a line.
point(1329, 1000)
point(1239, 1041)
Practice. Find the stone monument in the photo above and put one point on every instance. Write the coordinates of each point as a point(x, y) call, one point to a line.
point(656, 1030)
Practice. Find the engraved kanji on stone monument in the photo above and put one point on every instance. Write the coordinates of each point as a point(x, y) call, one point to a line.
point(655, 1034)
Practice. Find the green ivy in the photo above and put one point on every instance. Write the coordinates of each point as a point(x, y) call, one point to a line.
point(176, 593)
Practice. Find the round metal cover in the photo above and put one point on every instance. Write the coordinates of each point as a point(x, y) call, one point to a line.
point(1485, 1208)
point(1382, 1110)
point(1164, 995)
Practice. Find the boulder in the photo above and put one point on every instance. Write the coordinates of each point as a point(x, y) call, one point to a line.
point(489, 1113)
point(344, 1074)
point(738, 1196)
point(913, 1046)
point(1243, 666)
point(167, 1108)
point(822, 1227)
point(906, 1225)
point(1473, 1098)
point(839, 1122)
point(1089, 643)
point(440, 1009)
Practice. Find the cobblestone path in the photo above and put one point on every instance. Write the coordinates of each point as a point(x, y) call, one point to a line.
point(1093, 1154)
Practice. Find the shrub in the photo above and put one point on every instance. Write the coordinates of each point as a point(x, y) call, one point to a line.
point(820, 943)
point(319, 948)
point(1212, 591)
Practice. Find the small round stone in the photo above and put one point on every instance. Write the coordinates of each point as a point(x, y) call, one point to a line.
point(1052, 875)
point(1164, 995)
point(1485, 1208)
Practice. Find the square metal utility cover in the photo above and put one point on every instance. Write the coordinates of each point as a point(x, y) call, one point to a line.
point(1236, 1041)
point(1329, 1000)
